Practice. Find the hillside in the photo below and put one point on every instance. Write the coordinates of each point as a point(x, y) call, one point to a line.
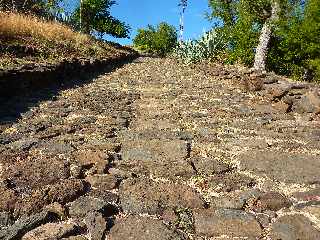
point(97, 143)
point(26, 40)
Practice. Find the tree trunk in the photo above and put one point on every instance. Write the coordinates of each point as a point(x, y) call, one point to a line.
point(13, 6)
point(264, 39)
point(80, 13)
point(183, 4)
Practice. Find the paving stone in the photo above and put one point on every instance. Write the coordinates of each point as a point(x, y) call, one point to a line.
point(67, 190)
point(107, 196)
point(142, 228)
point(313, 209)
point(103, 181)
point(62, 192)
point(286, 167)
point(23, 144)
point(169, 216)
point(54, 148)
point(154, 150)
point(235, 200)
point(159, 169)
point(25, 224)
point(263, 219)
point(51, 231)
point(229, 182)
point(170, 170)
point(294, 227)
point(36, 172)
point(96, 225)
point(8, 199)
point(58, 209)
point(146, 122)
point(311, 195)
point(209, 166)
point(85, 204)
point(160, 125)
point(233, 223)
point(309, 103)
point(146, 196)
point(90, 158)
point(272, 201)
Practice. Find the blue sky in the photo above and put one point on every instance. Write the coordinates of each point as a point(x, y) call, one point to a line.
point(140, 13)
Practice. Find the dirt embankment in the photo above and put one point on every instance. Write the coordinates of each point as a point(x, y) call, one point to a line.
point(36, 54)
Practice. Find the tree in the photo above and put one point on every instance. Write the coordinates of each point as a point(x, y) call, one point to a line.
point(268, 34)
point(241, 21)
point(264, 40)
point(295, 45)
point(159, 40)
point(95, 17)
point(43, 8)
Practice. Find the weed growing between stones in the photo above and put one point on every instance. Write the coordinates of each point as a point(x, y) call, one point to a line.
point(184, 221)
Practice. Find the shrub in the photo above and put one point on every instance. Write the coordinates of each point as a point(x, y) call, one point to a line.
point(159, 40)
point(294, 48)
point(209, 46)
point(296, 45)
point(42, 8)
point(96, 18)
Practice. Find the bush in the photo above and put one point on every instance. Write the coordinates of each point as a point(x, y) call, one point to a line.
point(296, 47)
point(41, 8)
point(159, 40)
point(209, 46)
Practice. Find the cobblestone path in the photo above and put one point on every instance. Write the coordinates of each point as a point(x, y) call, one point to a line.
point(160, 151)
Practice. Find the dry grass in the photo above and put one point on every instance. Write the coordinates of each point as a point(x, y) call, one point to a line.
point(16, 25)
point(27, 39)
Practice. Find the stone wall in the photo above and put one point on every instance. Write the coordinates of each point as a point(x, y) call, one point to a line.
point(31, 77)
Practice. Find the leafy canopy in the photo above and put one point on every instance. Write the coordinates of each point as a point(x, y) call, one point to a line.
point(296, 43)
point(294, 47)
point(43, 8)
point(159, 40)
point(96, 17)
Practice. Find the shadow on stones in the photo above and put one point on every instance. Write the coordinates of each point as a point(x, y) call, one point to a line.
point(18, 103)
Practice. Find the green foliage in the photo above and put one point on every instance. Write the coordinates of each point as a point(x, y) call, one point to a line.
point(209, 46)
point(43, 8)
point(225, 11)
point(96, 18)
point(296, 44)
point(294, 48)
point(241, 24)
point(159, 40)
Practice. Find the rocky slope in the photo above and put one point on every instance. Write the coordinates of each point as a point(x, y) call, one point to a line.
point(158, 150)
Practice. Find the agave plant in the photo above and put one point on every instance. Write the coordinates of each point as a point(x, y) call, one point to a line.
point(208, 46)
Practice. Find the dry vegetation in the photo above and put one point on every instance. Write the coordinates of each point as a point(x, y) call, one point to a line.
point(26, 39)
point(15, 25)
